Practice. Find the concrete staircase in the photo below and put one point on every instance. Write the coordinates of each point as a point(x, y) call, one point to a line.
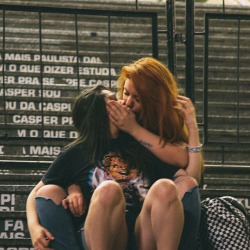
point(18, 178)
point(24, 161)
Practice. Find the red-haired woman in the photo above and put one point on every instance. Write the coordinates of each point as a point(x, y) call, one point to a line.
point(153, 113)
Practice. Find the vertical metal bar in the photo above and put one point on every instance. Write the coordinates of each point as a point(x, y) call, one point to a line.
point(205, 82)
point(3, 72)
point(170, 5)
point(41, 69)
point(77, 54)
point(109, 49)
point(223, 6)
point(222, 155)
point(155, 36)
point(190, 49)
point(238, 82)
point(136, 4)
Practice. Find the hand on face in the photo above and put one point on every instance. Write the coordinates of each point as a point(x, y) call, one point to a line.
point(121, 116)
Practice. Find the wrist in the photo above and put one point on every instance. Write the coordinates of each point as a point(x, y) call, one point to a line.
point(74, 188)
point(194, 149)
point(193, 127)
point(135, 131)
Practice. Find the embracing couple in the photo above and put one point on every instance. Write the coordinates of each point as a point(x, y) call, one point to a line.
point(130, 179)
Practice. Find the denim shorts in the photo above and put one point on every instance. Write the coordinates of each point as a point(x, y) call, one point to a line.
point(59, 222)
point(192, 212)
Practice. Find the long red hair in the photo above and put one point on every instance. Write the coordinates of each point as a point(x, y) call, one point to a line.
point(157, 91)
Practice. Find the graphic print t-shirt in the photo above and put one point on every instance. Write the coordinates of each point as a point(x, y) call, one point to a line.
point(113, 167)
point(69, 168)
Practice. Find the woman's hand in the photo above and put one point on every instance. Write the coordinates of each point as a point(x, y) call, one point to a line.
point(187, 108)
point(41, 238)
point(121, 116)
point(74, 201)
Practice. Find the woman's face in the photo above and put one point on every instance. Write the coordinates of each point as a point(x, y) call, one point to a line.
point(130, 97)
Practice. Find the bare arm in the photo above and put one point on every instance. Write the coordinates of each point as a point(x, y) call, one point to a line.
point(196, 163)
point(175, 154)
point(39, 235)
point(124, 119)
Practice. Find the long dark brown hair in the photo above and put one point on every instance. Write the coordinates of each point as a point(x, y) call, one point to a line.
point(91, 121)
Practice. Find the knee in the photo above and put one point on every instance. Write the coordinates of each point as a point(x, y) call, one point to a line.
point(164, 190)
point(53, 192)
point(186, 182)
point(192, 182)
point(109, 193)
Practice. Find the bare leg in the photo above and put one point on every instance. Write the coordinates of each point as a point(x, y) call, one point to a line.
point(105, 227)
point(160, 223)
point(184, 182)
point(189, 194)
point(54, 192)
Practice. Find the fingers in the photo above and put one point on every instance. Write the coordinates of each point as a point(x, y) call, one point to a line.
point(114, 105)
point(122, 102)
point(183, 100)
point(115, 109)
point(73, 207)
point(122, 117)
point(188, 110)
point(185, 103)
point(76, 205)
point(118, 113)
point(65, 203)
point(43, 242)
point(182, 97)
point(49, 236)
point(80, 207)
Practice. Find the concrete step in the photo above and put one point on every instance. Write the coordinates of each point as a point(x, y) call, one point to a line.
point(227, 180)
point(218, 180)
point(14, 231)
point(13, 197)
point(239, 194)
point(223, 182)
point(47, 149)
point(58, 39)
point(17, 181)
point(231, 155)
point(13, 225)
point(16, 244)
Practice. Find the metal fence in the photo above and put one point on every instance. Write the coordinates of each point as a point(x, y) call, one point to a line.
point(227, 79)
point(48, 55)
